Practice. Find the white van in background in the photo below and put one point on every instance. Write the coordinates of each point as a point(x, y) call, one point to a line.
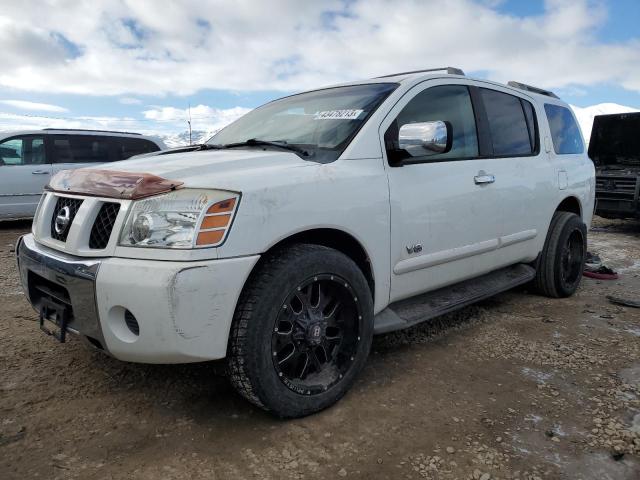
point(29, 158)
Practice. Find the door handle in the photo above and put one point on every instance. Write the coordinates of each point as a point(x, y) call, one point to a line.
point(480, 179)
point(40, 172)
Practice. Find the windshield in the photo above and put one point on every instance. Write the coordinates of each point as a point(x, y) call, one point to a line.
point(321, 123)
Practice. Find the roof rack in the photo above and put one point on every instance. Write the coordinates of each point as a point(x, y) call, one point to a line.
point(88, 130)
point(529, 88)
point(449, 70)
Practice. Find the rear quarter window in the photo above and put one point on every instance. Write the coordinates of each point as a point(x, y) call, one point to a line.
point(565, 132)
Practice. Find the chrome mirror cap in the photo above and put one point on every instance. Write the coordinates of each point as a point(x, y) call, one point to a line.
point(425, 138)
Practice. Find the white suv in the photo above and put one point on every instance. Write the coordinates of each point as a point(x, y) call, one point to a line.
point(312, 223)
point(28, 159)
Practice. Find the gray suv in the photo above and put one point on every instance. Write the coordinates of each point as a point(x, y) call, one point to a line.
point(28, 159)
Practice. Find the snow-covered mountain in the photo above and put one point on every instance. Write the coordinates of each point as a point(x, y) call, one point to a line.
point(182, 138)
point(585, 115)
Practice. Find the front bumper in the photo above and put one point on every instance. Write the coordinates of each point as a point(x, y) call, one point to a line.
point(618, 194)
point(183, 309)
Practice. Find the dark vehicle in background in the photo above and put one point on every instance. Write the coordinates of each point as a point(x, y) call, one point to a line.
point(28, 159)
point(615, 151)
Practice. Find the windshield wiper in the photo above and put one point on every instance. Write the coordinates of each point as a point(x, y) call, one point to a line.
point(197, 147)
point(254, 142)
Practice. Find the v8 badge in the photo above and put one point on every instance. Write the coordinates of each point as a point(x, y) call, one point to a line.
point(417, 248)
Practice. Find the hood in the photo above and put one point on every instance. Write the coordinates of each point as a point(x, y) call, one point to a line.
point(615, 140)
point(223, 169)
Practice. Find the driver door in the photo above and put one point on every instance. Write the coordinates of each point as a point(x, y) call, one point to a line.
point(445, 218)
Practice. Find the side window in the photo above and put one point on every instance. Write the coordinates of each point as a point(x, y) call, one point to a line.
point(80, 149)
point(565, 132)
point(450, 103)
point(508, 125)
point(127, 147)
point(22, 151)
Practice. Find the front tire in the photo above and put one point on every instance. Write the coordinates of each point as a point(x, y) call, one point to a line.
point(301, 332)
point(561, 262)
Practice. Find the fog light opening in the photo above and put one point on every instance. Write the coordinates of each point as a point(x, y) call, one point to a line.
point(132, 323)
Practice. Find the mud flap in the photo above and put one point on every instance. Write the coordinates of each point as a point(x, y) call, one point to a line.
point(58, 315)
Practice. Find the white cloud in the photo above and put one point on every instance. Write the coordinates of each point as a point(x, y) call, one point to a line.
point(39, 107)
point(129, 101)
point(114, 47)
point(15, 122)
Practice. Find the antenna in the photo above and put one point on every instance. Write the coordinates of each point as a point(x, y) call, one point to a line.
point(189, 122)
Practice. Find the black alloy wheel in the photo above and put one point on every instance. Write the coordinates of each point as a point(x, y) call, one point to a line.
point(315, 336)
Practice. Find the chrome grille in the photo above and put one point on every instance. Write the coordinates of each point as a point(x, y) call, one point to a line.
point(103, 226)
point(73, 204)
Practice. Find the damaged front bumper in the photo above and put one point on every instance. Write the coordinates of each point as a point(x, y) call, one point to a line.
point(56, 278)
point(146, 311)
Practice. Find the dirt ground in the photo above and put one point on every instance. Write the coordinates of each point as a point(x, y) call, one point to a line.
point(517, 387)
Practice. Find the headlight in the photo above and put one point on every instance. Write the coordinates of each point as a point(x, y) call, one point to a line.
point(188, 218)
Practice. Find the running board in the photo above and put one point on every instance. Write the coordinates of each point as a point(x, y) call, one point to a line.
point(409, 312)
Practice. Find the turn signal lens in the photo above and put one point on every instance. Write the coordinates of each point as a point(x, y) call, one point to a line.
point(216, 222)
point(224, 206)
point(210, 238)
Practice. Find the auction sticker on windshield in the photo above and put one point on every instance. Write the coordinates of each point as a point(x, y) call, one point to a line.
point(338, 115)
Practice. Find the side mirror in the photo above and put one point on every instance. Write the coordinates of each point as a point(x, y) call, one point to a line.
point(425, 138)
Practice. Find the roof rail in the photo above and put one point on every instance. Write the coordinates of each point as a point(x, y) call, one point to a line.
point(449, 70)
point(87, 130)
point(529, 88)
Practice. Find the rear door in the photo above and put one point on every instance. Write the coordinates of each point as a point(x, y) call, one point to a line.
point(24, 171)
point(524, 178)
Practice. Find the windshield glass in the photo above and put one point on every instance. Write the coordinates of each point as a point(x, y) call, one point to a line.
point(322, 122)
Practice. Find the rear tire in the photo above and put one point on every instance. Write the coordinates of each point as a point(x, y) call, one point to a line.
point(301, 332)
point(561, 263)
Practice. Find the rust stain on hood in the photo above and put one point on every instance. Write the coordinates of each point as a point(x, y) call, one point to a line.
point(111, 183)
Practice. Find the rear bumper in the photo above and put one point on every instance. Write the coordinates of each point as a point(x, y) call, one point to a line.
point(183, 309)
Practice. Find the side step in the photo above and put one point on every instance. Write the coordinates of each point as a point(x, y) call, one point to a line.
point(409, 312)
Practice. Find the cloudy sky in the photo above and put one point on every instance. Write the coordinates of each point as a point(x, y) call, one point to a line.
point(138, 64)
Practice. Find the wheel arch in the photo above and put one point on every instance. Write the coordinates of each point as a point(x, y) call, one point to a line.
point(570, 204)
point(333, 238)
